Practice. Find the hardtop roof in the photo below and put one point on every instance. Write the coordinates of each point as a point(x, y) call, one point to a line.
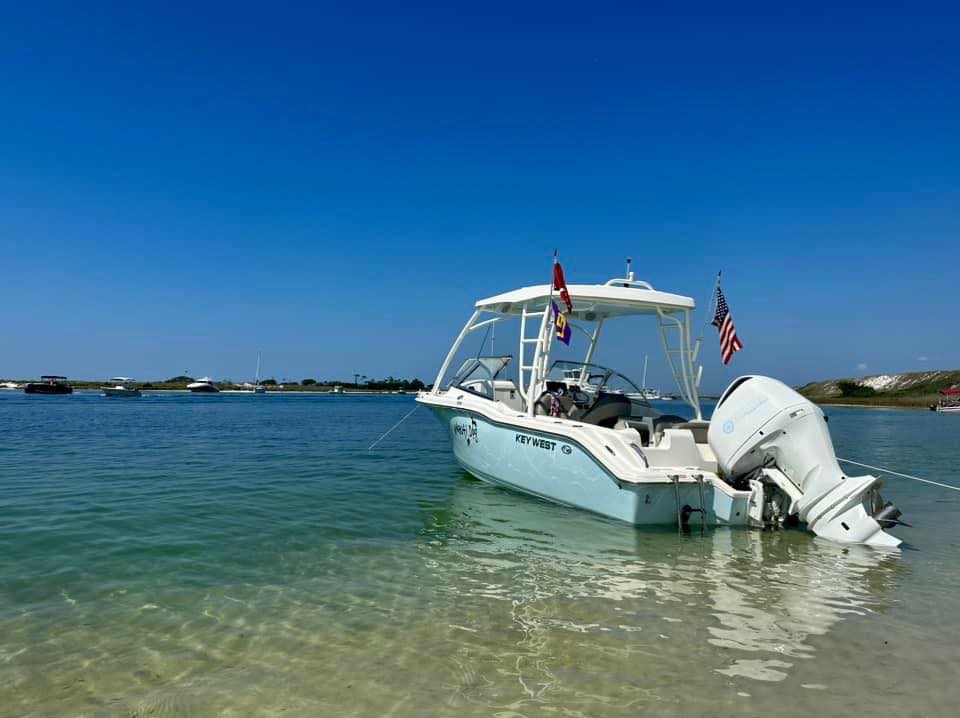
point(590, 300)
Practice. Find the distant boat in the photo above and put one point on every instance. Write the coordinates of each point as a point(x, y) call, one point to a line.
point(645, 393)
point(949, 402)
point(122, 386)
point(257, 388)
point(204, 385)
point(49, 384)
point(10, 385)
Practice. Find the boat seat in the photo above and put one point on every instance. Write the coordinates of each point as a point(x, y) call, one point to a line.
point(607, 410)
point(697, 428)
point(668, 421)
point(642, 428)
point(568, 409)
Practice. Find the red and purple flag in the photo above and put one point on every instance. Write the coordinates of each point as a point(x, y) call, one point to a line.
point(560, 284)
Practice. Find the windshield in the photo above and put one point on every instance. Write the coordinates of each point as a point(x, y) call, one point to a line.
point(477, 375)
point(592, 378)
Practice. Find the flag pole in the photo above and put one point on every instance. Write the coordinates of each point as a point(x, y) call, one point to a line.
point(712, 305)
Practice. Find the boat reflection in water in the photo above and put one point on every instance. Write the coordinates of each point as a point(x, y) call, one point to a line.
point(651, 602)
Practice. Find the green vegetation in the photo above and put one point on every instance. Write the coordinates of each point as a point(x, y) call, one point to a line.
point(308, 382)
point(853, 389)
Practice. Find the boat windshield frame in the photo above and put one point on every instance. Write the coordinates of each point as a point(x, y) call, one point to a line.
point(478, 374)
point(583, 373)
point(592, 306)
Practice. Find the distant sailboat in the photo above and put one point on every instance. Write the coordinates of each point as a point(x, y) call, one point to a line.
point(257, 388)
point(648, 394)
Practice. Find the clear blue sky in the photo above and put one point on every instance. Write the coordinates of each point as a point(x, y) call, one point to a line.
point(184, 185)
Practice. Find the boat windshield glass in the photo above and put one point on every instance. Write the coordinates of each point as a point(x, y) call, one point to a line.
point(477, 375)
point(593, 378)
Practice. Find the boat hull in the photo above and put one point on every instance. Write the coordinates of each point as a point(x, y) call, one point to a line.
point(555, 468)
point(116, 393)
point(38, 388)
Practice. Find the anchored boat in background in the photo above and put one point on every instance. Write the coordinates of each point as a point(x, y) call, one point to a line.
point(204, 385)
point(123, 386)
point(49, 384)
point(949, 401)
point(584, 435)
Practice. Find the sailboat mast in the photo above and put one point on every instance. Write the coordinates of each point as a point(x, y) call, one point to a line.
point(644, 382)
point(258, 368)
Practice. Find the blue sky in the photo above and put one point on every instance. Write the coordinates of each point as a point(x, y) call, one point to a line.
point(182, 186)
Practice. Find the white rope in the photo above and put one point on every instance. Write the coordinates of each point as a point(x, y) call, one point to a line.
point(393, 427)
point(895, 473)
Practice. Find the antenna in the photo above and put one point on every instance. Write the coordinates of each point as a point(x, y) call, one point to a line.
point(630, 268)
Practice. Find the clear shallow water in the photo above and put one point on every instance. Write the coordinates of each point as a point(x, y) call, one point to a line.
point(242, 555)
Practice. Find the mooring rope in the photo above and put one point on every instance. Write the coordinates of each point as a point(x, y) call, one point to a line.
point(393, 427)
point(897, 473)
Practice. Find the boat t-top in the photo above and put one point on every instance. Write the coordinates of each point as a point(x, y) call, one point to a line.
point(48, 384)
point(203, 385)
point(121, 386)
point(583, 435)
point(948, 401)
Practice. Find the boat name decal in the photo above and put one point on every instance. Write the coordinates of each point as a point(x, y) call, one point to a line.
point(467, 431)
point(537, 442)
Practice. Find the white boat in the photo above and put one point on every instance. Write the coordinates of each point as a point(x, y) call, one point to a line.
point(257, 387)
point(10, 385)
point(948, 402)
point(123, 386)
point(645, 393)
point(203, 385)
point(569, 432)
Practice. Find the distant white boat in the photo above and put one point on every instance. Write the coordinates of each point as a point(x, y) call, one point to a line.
point(203, 385)
point(257, 388)
point(122, 386)
point(10, 385)
point(949, 401)
point(645, 393)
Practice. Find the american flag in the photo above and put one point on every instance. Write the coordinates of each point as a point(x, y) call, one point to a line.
point(729, 341)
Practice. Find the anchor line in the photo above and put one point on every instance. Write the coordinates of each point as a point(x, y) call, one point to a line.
point(387, 432)
point(897, 473)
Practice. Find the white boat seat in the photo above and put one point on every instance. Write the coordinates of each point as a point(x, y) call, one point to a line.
point(697, 428)
point(668, 421)
point(641, 427)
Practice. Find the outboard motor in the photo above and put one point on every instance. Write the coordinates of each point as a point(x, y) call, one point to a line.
point(769, 437)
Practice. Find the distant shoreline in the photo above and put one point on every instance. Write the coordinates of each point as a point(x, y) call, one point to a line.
point(915, 403)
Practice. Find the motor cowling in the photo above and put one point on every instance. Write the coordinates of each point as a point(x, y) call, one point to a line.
point(762, 425)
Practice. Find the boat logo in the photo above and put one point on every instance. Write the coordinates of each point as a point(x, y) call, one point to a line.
point(566, 449)
point(728, 427)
